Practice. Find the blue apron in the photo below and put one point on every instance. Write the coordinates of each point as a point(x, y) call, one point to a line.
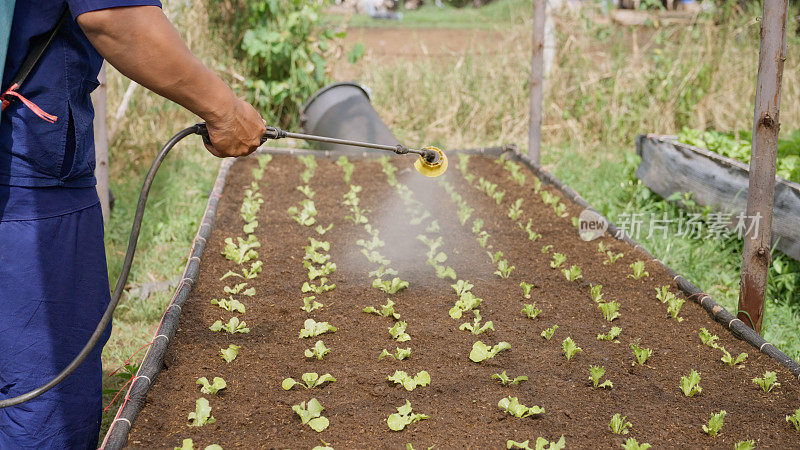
point(53, 276)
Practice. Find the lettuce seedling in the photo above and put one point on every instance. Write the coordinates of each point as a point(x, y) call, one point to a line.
point(597, 372)
point(601, 247)
point(573, 273)
point(495, 257)
point(690, 386)
point(548, 198)
point(511, 405)
point(316, 257)
point(375, 257)
point(229, 304)
point(595, 292)
point(313, 328)
point(506, 380)
point(730, 360)
point(611, 258)
point(745, 445)
point(400, 353)
point(532, 235)
point(475, 327)
point(445, 272)
point(324, 270)
point(319, 350)
point(310, 304)
point(467, 301)
point(515, 210)
point(674, 308)
point(305, 215)
point(768, 381)
point(351, 197)
point(322, 230)
point(410, 383)
point(794, 419)
point(663, 294)
point(464, 214)
point(386, 310)
point(403, 417)
point(611, 335)
point(306, 190)
point(242, 251)
point(323, 286)
point(477, 226)
point(310, 380)
point(433, 227)
point(187, 444)
point(570, 348)
point(548, 333)
point(483, 238)
point(240, 289)
point(641, 353)
point(211, 388)
point(324, 446)
point(610, 310)
point(708, 339)
point(390, 287)
point(503, 269)
point(347, 168)
point(230, 353)
point(541, 444)
point(311, 415)
point(371, 244)
point(201, 414)
point(398, 331)
point(715, 423)
point(498, 196)
point(462, 286)
point(633, 444)
point(560, 209)
point(481, 351)
point(547, 248)
point(619, 425)
point(248, 274)
point(530, 310)
point(558, 259)
point(250, 227)
point(233, 326)
point(526, 289)
point(638, 270)
point(382, 271)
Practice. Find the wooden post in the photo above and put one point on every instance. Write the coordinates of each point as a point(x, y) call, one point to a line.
point(101, 143)
point(763, 155)
point(536, 83)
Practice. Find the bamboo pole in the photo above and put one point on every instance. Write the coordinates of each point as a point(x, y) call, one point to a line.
point(763, 156)
point(101, 143)
point(536, 83)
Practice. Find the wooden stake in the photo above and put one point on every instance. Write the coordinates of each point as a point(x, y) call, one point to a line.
point(101, 143)
point(763, 156)
point(536, 83)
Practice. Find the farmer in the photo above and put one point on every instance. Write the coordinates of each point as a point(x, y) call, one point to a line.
point(53, 277)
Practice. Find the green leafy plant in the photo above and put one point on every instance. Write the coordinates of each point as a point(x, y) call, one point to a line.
point(611, 335)
point(619, 425)
point(475, 327)
point(477, 225)
point(422, 378)
point(433, 227)
point(390, 287)
point(483, 238)
point(318, 289)
point(319, 350)
point(767, 382)
point(188, 444)
point(794, 419)
point(597, 372)
point(399, 354)
point(745, 445)
point(445, 272)
point(547, 248)
point(674, 308)
point(230, 353)
point(611, 258)
point(311, 164)
point(309, 380)
point(371, 244)
point(573, 273)
point(503, 269)
point(515, 210)
point(526, 289)
point(530, 310)
point(570, 348)
point(481, 351)
point(322, 230)
point(715, 423)
point(495, 257)
point(462, 286)
point(386, 310)
point(541, 444)
point(506, 380)
point(708, 339)
point(382, 271)
point(730, 360)
point(304, 215)
point(641, 353)
point(201, 414)
point(306, 190)
point(638, 270)
point(610, 310)
point(403, 417)
point(467, 301)
point(347, 168)
point(324, 270)
point(595, 292)
point(311, 415)
point(240, 289)
point(248, 274)
point(229, 304)
point(464, 213)
point(511, 405)
point(663, 294)
point(558, 259)
point(690, 386)
point(398, 331)
point(310, 303)
point(243, 250)
point(560, 209)
point(313, 328)
point(633, 444)
point(211, 388)
point(548, 333)
point(233, 326)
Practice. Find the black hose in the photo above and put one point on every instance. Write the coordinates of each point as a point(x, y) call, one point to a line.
point(123, 277)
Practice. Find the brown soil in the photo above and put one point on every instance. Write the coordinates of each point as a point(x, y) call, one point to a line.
point(254, 412)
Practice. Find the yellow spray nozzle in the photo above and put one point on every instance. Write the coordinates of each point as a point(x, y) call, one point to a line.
point(433, 169)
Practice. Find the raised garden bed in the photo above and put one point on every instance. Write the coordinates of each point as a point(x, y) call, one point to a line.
point(254, 411)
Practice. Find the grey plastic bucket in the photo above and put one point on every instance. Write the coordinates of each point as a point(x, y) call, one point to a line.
point(344, 111)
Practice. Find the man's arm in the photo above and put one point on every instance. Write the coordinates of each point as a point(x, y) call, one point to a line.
point(142, 44)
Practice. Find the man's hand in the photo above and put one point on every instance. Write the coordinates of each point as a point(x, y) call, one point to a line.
point(148, 50)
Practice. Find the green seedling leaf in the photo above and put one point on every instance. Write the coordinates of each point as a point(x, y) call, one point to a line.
point(768, 381)
point(462, 286)
point(229, 304)
point(233, 326)
point(573, 273)
point(475, 327)
point(745, 445)
point(320, 230)
point(304, 214)
point(541, 444)
point(324, 270)
point(311, 415)
point(230, 353)
point(400, 353)
point(240, 289)
point(548, 333)
point(347, 168)
point(250, 227)
point(382, 271)
point(403, 417)
point(466, 302)
point(730, 360)
point(323, 286)
point(715, 423)
point(506, 380)
point(558, 260)
point(390, 287)
point(313, 328)
point(211, 388)
point(252, 272)
point(242, 251)
point(610, 310)
point(633, 444)
point(324, 446)
point(410, 383)
point(398, 332)
point(464, 213)
point(708, 339)
point(690, 386)
point(483, 238)
point(595, 374)
point(481, 351)
point(570, 348)
point(202, 414)
point(663, 294)
point(794, 419)
point(515, 210)
point(611, 258)
point(372, 244)
point(619, 425)
point(547, 248)
point(319, 350)
point(306, 190)
point(638, 270)
point(596, 292)
point(477, 226)
point(503, 269)
point(495, 257)
point(386, 310)
point(530, 310)
point(641, 353)
point(310, 304)
point(674, 307)
point(309, 380)
point(511, 405)
point(433, 227)
point(526, 289)
point(611, 335)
